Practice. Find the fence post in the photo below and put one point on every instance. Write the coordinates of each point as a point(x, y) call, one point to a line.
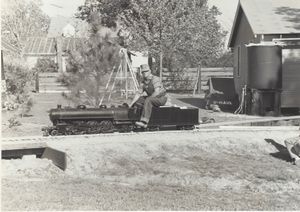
point(199, 80)
point(59, 49)
point(37, 82)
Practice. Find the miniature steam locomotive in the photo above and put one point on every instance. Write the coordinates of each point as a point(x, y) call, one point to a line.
point(83, 120)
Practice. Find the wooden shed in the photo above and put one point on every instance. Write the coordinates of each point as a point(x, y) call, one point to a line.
point(269, 22)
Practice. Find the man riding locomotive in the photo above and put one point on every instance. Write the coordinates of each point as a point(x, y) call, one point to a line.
point(150, 93)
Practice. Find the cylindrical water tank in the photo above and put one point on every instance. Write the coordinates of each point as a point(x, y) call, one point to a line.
point(264, 66)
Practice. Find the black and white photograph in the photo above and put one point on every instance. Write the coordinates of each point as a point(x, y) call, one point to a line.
point(150, 105)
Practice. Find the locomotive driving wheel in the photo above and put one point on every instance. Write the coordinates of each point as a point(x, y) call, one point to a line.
point(106, 126)
point(54, 132)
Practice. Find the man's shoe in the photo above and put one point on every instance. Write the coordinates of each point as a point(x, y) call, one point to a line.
point(297, 162)
point(141, 124)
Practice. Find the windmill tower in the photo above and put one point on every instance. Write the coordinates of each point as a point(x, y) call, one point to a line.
point(124, 74)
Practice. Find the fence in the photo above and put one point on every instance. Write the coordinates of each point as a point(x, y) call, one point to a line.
point(189, 79)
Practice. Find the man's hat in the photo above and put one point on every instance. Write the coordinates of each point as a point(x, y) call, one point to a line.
point(145, 68)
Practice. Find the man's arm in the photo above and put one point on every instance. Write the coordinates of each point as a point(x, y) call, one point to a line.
point(158, 87)
point(139, 93)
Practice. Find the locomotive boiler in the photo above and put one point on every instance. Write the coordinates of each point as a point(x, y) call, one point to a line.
point(83, 120)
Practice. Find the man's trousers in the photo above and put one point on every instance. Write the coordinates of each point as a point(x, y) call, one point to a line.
point(148, 105)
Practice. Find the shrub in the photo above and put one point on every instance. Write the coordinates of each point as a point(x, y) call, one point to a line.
point(13, 122)
point(19, 83)
point(45, 65)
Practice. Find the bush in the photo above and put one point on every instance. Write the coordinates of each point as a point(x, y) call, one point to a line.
point(45, 65)
point(13, 122)
point(19, 83)
point(179, 80)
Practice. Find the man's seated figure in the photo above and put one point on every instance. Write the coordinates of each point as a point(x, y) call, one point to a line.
point(150, 93)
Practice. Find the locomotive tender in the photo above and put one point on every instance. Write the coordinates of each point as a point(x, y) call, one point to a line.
point(83, 120)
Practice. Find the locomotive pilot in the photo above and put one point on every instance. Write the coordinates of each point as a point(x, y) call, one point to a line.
point(150, 93)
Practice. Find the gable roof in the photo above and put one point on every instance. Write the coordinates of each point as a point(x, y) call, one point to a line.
point(47, 46)
point(269, 16)
point(7, 47)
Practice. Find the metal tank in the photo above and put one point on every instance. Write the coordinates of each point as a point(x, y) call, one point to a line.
point(264, 66)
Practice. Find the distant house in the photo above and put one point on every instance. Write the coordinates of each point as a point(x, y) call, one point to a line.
point(64, 34)
point(268, 22)
point(73, 27)
point(68, 31)
point(68, 27)
point(44, 47)
point(8, 48)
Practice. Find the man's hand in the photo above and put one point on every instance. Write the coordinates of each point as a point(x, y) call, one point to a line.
point(136, 97)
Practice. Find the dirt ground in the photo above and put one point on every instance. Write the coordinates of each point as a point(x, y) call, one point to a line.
point(187, 170)
point(159, 171)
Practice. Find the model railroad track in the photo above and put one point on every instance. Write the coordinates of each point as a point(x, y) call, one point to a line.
point(264, 121)
point(258, 124)
point(17, 147)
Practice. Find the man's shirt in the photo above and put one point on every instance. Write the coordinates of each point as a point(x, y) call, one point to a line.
point(153, 85)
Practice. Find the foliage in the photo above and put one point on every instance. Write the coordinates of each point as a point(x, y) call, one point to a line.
point(88, 67)
point(19, 83)
point(13, 122)
point(178, 80)
point(21, 19)
point(186, 32)
point(18, 77)
point(224, 60)
point(45, 65)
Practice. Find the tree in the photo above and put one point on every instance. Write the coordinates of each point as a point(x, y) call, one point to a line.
point(224, 60)
point(186, 32)
point(21, 19)
point(89, 66)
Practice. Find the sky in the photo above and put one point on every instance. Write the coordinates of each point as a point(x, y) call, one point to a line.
point(65, 8)
point(228, 9)
point(68, 8)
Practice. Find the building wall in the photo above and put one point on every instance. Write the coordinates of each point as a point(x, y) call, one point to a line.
point(290, 70)
point(31, 61)
point(290, 61)
point(290, 96)
point(274, 36)
point(243, 36)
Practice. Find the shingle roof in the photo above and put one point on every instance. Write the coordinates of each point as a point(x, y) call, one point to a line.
point(6, 46)
point(273, 16)
point(270, 16)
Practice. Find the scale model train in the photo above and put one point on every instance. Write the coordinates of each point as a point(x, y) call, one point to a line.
point(83, 120)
